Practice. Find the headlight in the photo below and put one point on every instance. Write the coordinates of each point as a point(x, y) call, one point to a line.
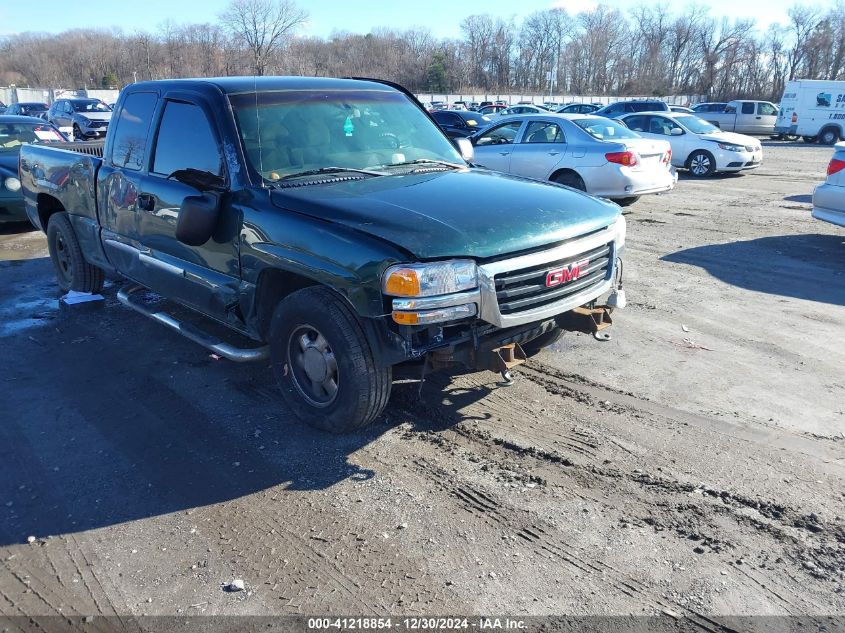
point(427, 280)
point(84, 121)
point(728, 147)
point(12, 184)
point(621, 229)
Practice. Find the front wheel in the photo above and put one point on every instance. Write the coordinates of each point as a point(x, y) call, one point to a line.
point(77, 133)
point(324, 364)
point(701, 164)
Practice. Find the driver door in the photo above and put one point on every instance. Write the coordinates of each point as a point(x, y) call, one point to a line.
point(206, 277)
point(494, 147)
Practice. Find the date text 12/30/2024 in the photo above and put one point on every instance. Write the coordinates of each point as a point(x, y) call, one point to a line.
point(415, 624)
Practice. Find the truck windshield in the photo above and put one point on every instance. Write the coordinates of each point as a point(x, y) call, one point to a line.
point(291, 132)
point(696, 125)
point(13, 135)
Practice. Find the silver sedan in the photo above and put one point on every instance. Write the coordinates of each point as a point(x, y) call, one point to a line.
point(586, 152)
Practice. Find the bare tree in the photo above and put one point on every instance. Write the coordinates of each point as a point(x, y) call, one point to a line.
point(263, 25)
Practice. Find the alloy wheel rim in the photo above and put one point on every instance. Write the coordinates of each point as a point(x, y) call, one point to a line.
point(313, 366)
point(700, 164)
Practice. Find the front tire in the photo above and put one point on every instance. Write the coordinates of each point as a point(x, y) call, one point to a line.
point(77, 133)
point(324, 364)
point(701, 164)
point(72, 271)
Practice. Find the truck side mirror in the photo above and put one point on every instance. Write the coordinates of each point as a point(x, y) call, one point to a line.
point(466, 149)
point(198, 217)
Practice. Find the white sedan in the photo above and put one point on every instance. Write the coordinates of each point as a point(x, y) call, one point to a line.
point(697, 145)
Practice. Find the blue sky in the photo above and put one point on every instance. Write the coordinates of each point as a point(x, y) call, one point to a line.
point(441, 17)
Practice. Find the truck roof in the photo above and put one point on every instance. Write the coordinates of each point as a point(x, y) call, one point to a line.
point(240, 85)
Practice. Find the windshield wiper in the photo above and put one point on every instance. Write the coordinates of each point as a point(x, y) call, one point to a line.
point(425, 161)
point(329, 170)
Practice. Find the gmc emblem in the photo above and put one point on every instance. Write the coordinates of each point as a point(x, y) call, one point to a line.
point(565, 274)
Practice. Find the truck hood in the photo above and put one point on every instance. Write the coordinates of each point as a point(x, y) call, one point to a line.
point(463, 213)
point(731, 137)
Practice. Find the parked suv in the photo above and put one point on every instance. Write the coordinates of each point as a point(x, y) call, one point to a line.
point(89, 118)
point(616, 110)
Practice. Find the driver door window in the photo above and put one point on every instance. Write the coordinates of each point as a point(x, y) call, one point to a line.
point(501, 135)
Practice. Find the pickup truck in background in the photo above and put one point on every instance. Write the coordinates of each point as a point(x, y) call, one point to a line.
point(331, 224)
point(744, 117)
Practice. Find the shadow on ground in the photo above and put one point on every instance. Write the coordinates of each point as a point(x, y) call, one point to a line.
point(810, 267)
point(109, 417)
point(804, 197)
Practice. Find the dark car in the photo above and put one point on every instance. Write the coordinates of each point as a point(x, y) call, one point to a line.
point(615, 110)
point(334, 223)
point(14, 132)
point(460, 123)
point(28, 109)
point(578, 108)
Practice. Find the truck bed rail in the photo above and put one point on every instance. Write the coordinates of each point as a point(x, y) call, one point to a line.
point(91, 148)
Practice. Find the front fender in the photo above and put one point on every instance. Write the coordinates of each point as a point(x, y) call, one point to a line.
point(349, 262)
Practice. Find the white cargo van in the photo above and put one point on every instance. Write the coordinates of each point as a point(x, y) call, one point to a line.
point(813, 109)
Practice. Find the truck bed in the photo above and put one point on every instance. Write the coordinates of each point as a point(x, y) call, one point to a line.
point(65, 172)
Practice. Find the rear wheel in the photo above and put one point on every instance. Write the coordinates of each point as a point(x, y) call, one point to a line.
point(701, 164)
point(72, 271)
point(829, 136)
point(323, 362)
point(570, 179)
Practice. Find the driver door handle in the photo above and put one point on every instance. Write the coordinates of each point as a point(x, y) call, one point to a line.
point(146, 202)
point(554, 153)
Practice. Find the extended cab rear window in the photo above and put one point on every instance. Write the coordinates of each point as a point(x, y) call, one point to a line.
point(133, 126)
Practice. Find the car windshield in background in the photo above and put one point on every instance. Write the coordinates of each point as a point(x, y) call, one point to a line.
point(605, 129)
point(291, 132)
point(696, 125)
point(13, 135)
point(30, 109)
point(91, 105)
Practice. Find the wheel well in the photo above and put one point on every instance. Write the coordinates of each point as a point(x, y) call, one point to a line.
point(273, 286)
point(834, 127)
point(47, 206)
point(565, 170)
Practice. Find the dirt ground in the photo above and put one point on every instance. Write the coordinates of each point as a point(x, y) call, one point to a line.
point(693, 465)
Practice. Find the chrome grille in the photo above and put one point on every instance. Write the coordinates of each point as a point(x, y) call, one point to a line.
point(525, 289)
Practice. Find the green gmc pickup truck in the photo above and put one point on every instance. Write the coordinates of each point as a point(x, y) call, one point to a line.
point(331, 222)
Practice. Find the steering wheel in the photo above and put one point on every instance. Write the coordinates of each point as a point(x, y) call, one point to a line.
point(389, 140)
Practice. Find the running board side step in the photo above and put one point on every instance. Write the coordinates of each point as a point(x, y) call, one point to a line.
point(237, 354)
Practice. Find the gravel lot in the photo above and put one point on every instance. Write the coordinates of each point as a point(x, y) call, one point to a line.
point(692, 465)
